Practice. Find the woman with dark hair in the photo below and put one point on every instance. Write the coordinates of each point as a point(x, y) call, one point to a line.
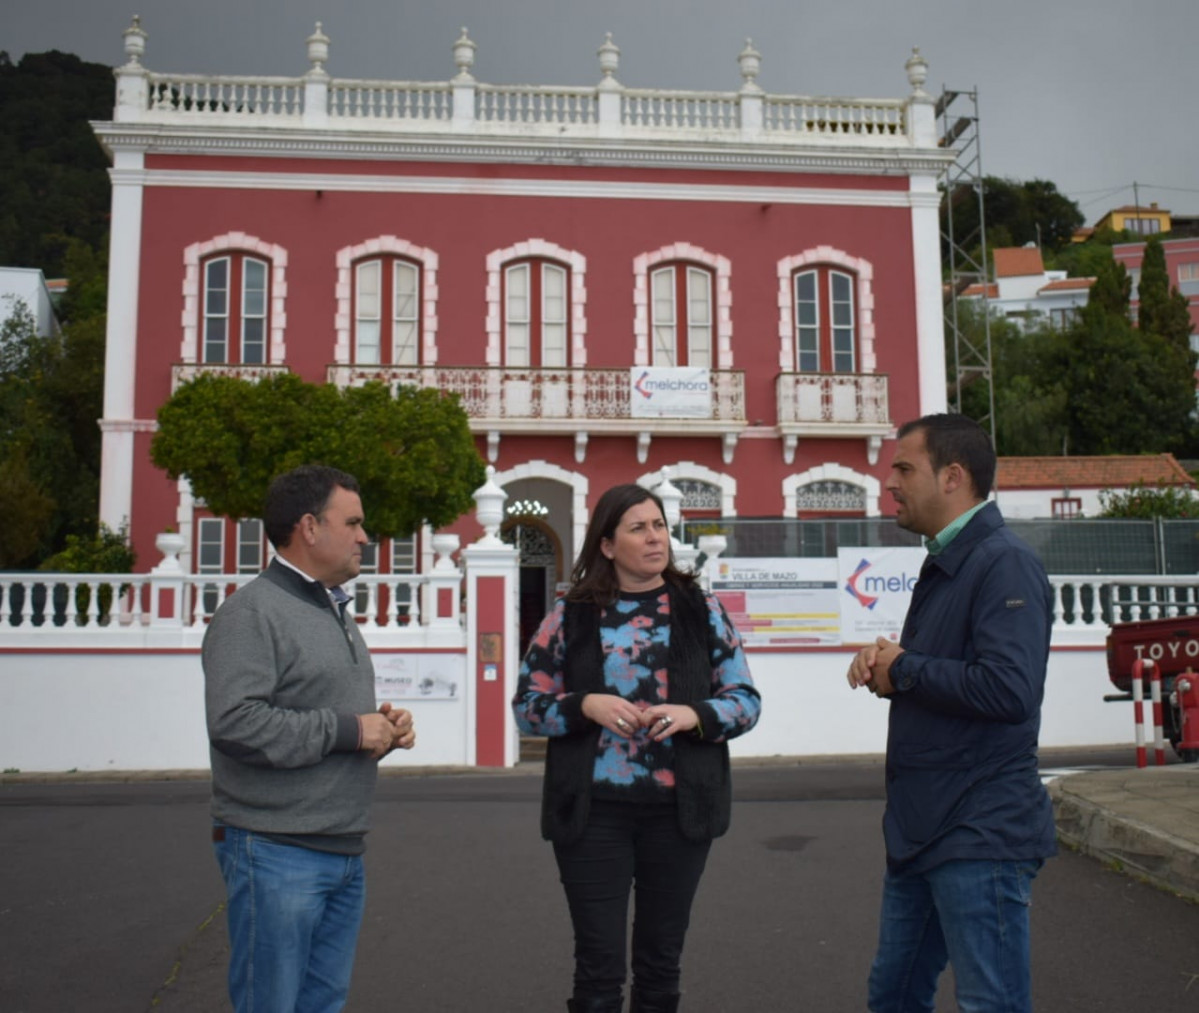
point(638, 679)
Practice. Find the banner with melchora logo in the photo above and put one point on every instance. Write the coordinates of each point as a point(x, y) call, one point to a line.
point(668, 392)
point(876, 589)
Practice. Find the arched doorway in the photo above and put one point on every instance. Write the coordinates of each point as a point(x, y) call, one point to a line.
point(540, 569)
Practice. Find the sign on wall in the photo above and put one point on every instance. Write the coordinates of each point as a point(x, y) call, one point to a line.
point(401, 677)
point(780, 601)
point(665, 392)
point(860, 595)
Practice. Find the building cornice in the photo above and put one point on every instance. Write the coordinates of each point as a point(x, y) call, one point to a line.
point(517, 187)
point(884, 156)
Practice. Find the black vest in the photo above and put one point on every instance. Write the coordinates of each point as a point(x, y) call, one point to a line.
point(703, 789)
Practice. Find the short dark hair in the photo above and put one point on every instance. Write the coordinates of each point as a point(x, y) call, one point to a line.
point(303, 490)
point(955, 439)
point(593, 578)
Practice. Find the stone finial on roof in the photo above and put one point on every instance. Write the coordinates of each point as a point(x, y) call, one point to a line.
point(609, 60)
point(135, 41)
point(318, 51)
point(750, 61)
point(917, 68)
point(464, 55)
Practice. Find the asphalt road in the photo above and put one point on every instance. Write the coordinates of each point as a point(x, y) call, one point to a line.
point(111, 902)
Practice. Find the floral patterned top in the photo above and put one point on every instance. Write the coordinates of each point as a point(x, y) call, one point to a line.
point(635, 637)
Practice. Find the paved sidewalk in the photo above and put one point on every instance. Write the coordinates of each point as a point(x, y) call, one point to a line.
point(1143, 822)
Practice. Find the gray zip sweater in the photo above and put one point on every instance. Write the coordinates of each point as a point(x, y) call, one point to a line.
point(284, 681)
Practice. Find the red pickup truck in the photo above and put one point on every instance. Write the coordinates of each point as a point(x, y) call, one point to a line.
point(1173, 645)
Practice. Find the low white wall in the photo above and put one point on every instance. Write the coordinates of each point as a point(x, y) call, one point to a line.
point(145, 711)
point(99, 711)
point(809, 709)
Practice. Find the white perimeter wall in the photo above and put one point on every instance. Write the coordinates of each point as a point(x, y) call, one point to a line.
point(808, 708)
point(143, 711)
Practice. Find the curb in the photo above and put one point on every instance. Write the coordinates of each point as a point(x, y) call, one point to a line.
point(1126, 844)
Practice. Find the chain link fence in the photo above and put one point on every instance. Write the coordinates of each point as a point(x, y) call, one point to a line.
point(1108, 547)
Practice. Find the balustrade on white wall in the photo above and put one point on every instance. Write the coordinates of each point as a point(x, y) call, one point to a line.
point(463, 104)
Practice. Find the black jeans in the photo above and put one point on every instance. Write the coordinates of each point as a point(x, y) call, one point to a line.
point(622, 844)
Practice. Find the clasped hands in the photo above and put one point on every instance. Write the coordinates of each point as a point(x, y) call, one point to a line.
point(391, 728)
point(871, 667)
point(623, 717)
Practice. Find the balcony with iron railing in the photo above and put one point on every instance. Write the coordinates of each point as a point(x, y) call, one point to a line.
point(508, 401)
point(833, 404)
point(587, 402)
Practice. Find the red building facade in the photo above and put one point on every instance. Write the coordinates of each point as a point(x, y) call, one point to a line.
point(525, 248)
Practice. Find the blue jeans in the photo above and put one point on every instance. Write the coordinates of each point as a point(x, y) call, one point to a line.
point(973, 914)
point(294, 916)
point(626, 843)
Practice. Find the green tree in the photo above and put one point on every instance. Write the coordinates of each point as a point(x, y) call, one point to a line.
point(26, 508)
point(1163, 310)
point(1128, 391)
point(51, 394)
point(1142, 502)
point(412, 452)
point(53, 173)
point(1016, 213)
point(1030, 417)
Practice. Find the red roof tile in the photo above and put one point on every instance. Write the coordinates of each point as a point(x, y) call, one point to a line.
point(1068, 284)
point(1107, 472)
point(1017, 261)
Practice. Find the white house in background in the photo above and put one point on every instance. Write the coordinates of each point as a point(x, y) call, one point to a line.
point(28, 285)
point(1065, 487)
point(1027, 294)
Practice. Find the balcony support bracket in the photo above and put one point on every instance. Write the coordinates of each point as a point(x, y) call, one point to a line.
point(873, 445)
point(729, 446)
point(790, 442)
point(643, 439)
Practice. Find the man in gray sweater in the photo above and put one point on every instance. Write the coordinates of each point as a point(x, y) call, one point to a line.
point(295, 741)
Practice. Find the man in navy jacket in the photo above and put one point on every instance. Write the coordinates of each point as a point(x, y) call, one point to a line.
point(968, 823)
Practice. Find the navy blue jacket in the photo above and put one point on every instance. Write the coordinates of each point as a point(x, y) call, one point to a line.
point(962, 779)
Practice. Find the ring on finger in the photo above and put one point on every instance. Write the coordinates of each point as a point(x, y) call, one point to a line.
point(667, 720)
point(621, 723)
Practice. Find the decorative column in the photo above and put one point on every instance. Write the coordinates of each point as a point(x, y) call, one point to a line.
point(167, 600)
point(921, 114)
point(133, 80)
point(609, 89)
point(710, 546)
point(492, 572)
point(464, 82)
point(118, 425)
point(750, 61)
point(316, 81)
point(672, 503)
point(926, 243)
point(444, 582)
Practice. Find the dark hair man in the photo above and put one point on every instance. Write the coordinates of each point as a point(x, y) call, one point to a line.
point(295, 742)
point(968, 823)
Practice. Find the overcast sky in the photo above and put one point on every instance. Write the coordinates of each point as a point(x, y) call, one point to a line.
point(1094, 96)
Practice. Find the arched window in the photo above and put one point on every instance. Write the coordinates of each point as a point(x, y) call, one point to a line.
point(830, 496)
point(536, 314)
point(234, 310)
point(826, 332)
point(387, 303)
point(681, 306)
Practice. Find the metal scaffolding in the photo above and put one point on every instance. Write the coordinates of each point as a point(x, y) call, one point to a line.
point(967, 334)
